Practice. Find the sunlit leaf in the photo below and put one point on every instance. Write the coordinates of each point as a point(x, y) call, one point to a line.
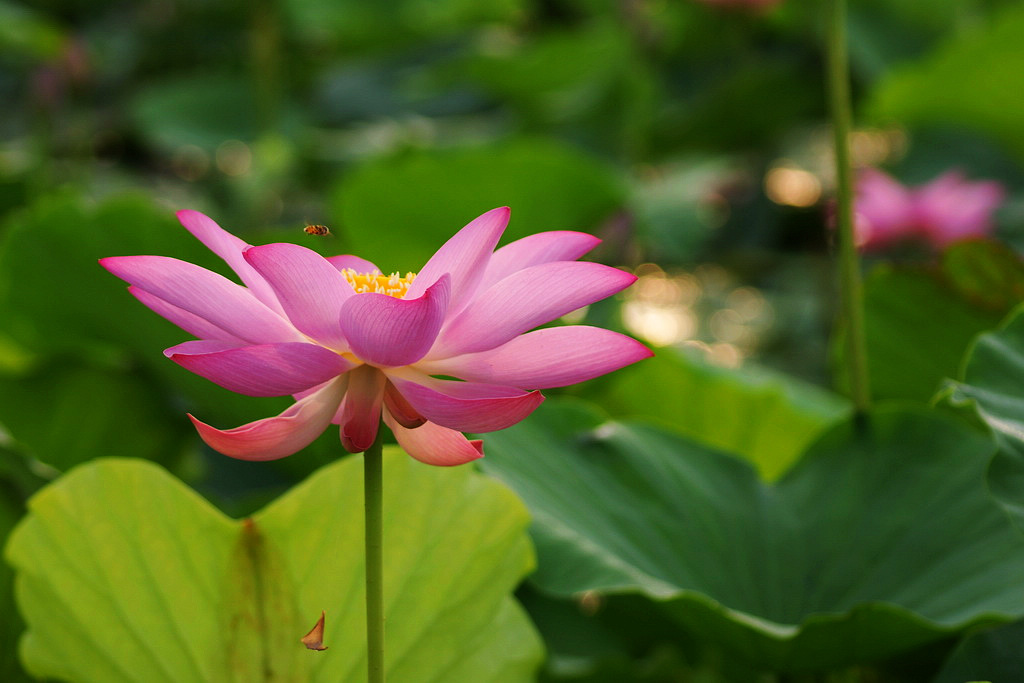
point(881, 538)
point(124, 574)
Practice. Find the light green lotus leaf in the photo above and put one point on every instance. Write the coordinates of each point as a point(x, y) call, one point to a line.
point(125, 574)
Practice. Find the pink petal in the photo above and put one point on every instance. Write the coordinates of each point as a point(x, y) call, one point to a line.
point(310, 289)
point(277, 437)
point(189, 322)
point(360, 265)
point(400, 409)
point(528, 298)
point(533, 250)
point(230, 248)
point(387, 331)
point(262, 370)
point(435, 445)
point(465, 406)
point(551, 357)
point(359, 415)
point(205, 294)
point(464, 257)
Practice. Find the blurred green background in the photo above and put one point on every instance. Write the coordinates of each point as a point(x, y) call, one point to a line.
point(692, 139)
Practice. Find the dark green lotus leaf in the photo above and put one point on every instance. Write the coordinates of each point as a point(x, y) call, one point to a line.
point(992, 655)
point(124, 574)
point(993, 379)
point(881, 538)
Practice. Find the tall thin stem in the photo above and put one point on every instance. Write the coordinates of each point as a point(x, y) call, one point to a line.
point(373, 488)
point(851, 289)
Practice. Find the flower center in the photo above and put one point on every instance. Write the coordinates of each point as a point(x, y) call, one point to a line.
point(376, 283)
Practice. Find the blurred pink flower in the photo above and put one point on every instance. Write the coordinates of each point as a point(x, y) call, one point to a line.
point(946, 210)
point(354, 346)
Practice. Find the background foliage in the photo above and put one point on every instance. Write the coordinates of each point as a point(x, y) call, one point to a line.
point(712, 514)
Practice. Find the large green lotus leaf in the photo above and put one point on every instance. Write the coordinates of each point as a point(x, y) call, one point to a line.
point(125, 574)
point(881, 538)
point(917, 325)
point(548, 187)
point(764, 417)
point(993, 379)
point(963, 83)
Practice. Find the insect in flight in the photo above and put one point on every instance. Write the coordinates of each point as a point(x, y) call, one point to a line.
point(320, 230)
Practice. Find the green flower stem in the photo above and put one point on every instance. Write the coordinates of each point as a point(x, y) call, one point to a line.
point(851, 289)
point(373, 488)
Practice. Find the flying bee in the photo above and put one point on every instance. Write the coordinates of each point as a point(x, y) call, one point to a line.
point(321, 230)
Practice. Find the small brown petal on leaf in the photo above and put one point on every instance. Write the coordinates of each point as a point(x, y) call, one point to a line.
point(314, 640)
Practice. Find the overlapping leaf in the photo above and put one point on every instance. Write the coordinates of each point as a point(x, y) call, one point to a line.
point(126, 575)
point(993, 378)
point(881, 538)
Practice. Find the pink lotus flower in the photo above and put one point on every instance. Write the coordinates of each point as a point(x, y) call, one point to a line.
point(946, 210)
point(354, 346)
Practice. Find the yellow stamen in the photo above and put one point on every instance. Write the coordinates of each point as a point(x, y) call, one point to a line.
point(392, 285)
